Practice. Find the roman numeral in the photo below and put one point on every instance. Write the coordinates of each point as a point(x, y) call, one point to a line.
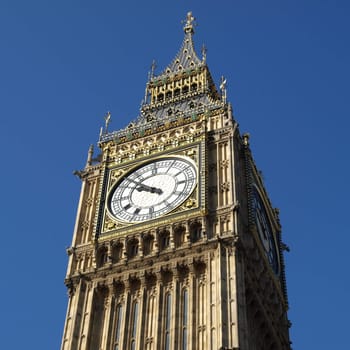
point(170, 166)
point(182, 170)
point(154, 170)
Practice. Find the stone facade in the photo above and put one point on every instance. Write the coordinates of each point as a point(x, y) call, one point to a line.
point(207, 275)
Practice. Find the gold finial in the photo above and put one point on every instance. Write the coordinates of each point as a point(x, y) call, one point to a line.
point(107, 120)
point(151, 72)
point(246, 137)
point(153, 68)
point(204, 53)
point(223, 88)
point(90, 154)
point(188, 28)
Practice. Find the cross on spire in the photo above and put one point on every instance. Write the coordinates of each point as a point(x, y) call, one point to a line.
point(188, 28)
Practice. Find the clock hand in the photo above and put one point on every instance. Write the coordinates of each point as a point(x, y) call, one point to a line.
point(146, 188)
point(136, 182)
point(149, 189)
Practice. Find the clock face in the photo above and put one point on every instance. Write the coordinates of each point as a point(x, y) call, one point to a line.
point(264, 230)
point(153, 189)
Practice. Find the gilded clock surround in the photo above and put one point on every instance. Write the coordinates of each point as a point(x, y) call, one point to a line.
point(205, 254)
point(118, 166)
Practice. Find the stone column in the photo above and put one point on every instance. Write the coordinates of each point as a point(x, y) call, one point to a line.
point(187, 238)
point(72, 322)
point(124, 256)
point(171, 237)
point(176, 313)
point(126, 324)
point(86, 315)
point(159, 308)
point(192, 296)
point(140, 245)
point(108, 312)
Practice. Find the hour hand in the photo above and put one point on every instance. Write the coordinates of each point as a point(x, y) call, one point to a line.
point(146, 188)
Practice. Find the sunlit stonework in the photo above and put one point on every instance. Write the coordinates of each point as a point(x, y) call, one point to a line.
point(176, 245)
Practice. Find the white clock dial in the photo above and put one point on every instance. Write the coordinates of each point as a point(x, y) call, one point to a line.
point(153, 189)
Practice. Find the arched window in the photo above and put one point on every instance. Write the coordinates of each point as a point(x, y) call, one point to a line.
point(134, 326)
point(179, 236)
point(148, 245)
point(119, 315)
point(164, 240)
point(195, 232)
point(167, 321)
point(117, 252)
point(102, 256)
point(133, 248)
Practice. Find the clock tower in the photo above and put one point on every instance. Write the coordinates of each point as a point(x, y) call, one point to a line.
point(176, 245)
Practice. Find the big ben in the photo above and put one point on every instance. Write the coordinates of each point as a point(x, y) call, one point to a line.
point(176, 244)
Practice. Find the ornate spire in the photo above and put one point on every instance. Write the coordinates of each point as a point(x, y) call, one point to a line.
point(184, 88)
point(186, 58)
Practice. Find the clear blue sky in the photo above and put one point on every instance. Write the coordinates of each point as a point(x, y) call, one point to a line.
point(63, 64)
